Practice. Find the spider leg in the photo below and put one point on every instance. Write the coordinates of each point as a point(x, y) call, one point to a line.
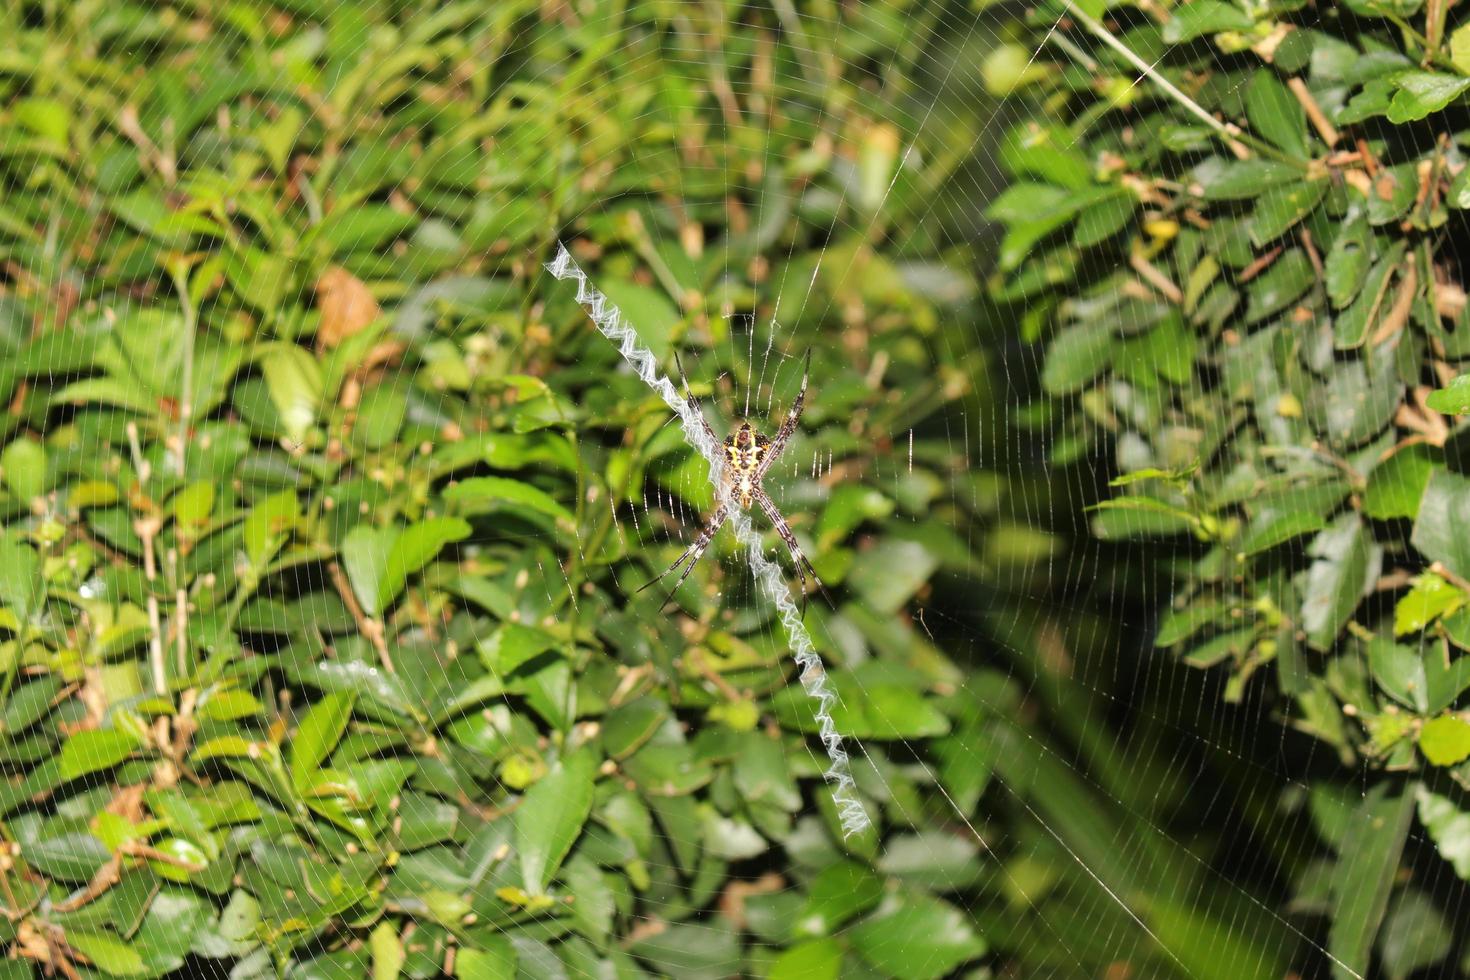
point(691, 554)
point(693, 402)
point(788, 424)
point(798, 558)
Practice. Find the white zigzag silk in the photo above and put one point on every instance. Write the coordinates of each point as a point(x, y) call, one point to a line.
point(609, 321)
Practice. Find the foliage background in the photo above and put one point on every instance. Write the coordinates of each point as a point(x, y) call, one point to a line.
point(324, 504)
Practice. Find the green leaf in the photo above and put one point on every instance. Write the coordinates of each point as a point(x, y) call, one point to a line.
point(1336, 580)
point(1279, 208)
point(22, 586)
point(1460, 50)
point(1076, 355)
point(387, 949)
point(1449, 828)
point(47, 118)
point(265, 530)
point(1421, 92)
point(816, 959)
point(294, 379)
point(1276, 288)
point(1280, 527)
point(1430, 598)
point(108, 953)
point(917, 938)
point(1454, 399)
point(1445, 740)
point(1396, 485)
point(317, 735)
point(550, 818)
point(514, 644)
point(495, 959)
point(482, 494)
point(24, 465)
point(1399, 670)
point(1348, 259)
point(418, 545)
point(1275, 113)
point(364, 554)
point(837, 894)
point(1415, 935)
point(94, 750)
point(1204, 17)
point(1364, 877)
point(1444, 515)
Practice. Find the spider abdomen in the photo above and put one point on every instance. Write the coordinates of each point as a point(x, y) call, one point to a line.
point(744, 451)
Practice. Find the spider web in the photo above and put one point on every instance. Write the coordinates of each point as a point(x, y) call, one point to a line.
point(961, 489)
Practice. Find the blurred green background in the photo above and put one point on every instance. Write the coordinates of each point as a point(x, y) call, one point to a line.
point(1129, 460)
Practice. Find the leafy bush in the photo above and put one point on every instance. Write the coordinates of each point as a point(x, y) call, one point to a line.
point(1249, 269)
point(319, 655)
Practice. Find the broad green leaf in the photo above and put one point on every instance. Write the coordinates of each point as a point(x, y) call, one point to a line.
point(94, 750)
point(418, 545)
point(1445, 740)
point(481, 494)
point(108, 953)
point(193, 504)
point(1280, 285)
point(1337, 579)
point(1449, 828)
point(1075, 356)
point(364, 553)
point(267, 527)
point(493, 958)
point(917, 938)
point(837, 894)
point(1202, 17)
point(1414, 936)
point(1279, 208)
point(1399, 670)
point(514, 644)
point(317, 735)
point(1364, 878)
point(1440, 531)
point(387, 950)
point(1279, 527)
point(24, 464)
point(22, 587)
point(1430, 598)
point(1454, 399)
point(1396, 485)
point(815, 959)
point(1420, 93)
point(1275, 113)
point(294, 380)
point(550, 818)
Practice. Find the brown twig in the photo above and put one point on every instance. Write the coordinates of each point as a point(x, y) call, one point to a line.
point(1319, 119)
point(1151, 274)
point(367, 626)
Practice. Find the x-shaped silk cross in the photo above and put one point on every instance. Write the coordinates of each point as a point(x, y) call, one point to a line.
point(610, 323)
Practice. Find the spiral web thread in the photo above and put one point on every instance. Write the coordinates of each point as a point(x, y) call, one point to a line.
point(611, 324)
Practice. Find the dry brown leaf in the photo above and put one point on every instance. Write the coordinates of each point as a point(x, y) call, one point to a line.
point(346, 304)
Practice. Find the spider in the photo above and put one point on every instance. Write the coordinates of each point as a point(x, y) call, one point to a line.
point(749, 455)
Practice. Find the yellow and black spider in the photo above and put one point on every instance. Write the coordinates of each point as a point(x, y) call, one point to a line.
point(749, 455)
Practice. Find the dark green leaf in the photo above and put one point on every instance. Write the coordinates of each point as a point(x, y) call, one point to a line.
point(1444, 515)
point(317, 735)
point(1275, 113)
point(550, 818)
